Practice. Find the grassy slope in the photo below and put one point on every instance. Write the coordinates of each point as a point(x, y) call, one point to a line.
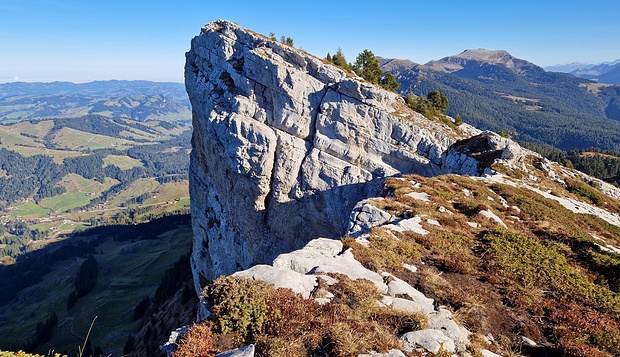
point(79, 193)
point(78, 140)
point(520, 281)
point(168, 197)
point(29, 210)
point(122, 162)
point(50, 215)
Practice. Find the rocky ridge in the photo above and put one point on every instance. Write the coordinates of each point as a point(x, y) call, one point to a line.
point(284, 142)
point(289, 152)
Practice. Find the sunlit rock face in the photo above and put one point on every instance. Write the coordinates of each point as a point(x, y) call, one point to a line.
point(285, 145)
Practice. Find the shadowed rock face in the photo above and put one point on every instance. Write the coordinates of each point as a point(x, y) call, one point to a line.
point(285, 145)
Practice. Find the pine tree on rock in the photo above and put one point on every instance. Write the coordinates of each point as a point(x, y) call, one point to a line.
point(367, 66)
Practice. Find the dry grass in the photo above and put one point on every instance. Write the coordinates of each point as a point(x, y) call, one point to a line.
point(543, 277)
point(555, 261)
point(282, 323)
point(385, 251)
point(197, 341)
point(586, 332)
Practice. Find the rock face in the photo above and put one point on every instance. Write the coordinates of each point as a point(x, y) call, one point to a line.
point(285, 145)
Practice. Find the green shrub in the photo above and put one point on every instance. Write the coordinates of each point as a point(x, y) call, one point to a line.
point(239, 305)
point(458, 121)
point(585, 191)
point(536, 267)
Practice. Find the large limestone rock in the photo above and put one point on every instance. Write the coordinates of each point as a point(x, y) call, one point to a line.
point(285, 145)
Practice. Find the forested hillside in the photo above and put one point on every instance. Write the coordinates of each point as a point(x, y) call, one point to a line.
point(602, 164)
point(94, 215)
point(530, 104)
point(119, 276)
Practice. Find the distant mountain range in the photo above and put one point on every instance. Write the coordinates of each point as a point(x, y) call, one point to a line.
point(494, 90)
point(137, 100)
point(606, 72)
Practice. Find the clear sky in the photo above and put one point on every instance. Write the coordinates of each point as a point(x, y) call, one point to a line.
point(85, 40)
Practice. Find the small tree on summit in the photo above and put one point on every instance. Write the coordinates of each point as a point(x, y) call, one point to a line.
point(458, 120)
point(286, 40)
point(367, 66)
point(339, 60)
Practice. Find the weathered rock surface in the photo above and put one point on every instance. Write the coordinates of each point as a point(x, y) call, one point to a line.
point(431, 339)
point(246, 351)
point(364, 217)
point(287, 148)
point(475, 155)
point(285, 145)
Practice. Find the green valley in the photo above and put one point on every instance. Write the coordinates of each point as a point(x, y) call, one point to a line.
point(65, 175)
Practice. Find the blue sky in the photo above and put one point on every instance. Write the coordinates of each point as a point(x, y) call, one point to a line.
point(85, 40)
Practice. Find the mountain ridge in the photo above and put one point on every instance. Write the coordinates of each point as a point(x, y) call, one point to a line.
point(479, 57)
point(570, 67)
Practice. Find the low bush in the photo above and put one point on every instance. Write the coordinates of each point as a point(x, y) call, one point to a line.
point(529, 267)
point(584, 190)
point(282, 323)
point(197, 341)
point(586, 332)
point(238, 304)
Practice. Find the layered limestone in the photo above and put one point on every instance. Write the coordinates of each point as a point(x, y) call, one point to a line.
point(285, 145)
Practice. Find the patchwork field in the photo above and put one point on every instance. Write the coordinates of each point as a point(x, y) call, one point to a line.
point(157, 151)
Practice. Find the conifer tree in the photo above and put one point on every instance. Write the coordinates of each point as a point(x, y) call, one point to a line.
point(367, 66)
point(339, 60)
point(389, 82)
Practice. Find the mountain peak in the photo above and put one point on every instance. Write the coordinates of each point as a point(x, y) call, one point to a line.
point(479, 57)
point(484, 55)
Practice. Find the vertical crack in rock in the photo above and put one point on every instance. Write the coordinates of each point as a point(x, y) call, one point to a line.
point(272, 180)
point(315, 116)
